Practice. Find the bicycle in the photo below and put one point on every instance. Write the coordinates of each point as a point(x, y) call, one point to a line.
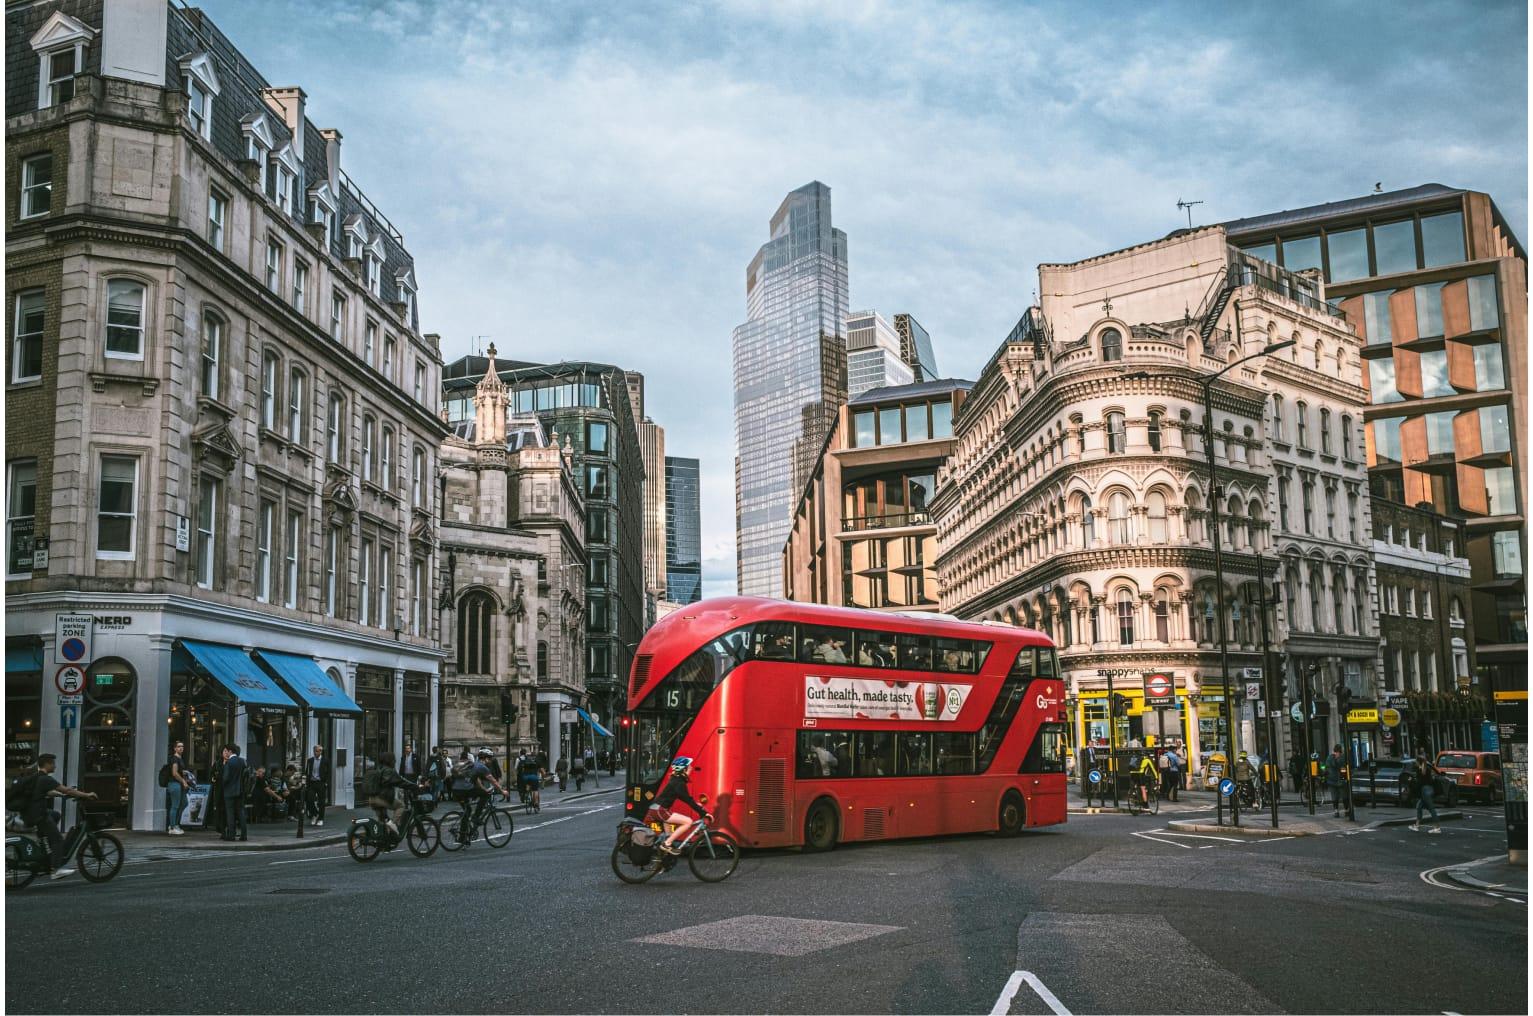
point(531, 799)
point(98, 854)
point(459, 827)
point(1151, 801)
point(369, 837)
point(713, 856)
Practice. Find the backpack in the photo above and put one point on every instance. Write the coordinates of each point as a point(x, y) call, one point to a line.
point(372, 783)
point(18, 793)
point(165, 775)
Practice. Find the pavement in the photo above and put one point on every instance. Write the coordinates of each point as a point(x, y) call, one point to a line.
point(1494, 873)
point(1300, 823)
point(1047, 923)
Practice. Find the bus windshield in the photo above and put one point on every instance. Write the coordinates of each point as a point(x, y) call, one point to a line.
point(662, 719)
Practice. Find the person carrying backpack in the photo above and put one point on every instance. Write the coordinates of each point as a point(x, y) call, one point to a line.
point(578, 771)
point(176, 780)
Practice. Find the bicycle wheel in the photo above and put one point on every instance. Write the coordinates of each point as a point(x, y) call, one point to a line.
point(626, 870)
point(452, 831)
point(100, 857)
point(423, 837)
point(360, 843)
point(1154, 801)
point(714, 857)
point(498, 827)
point(17, 874)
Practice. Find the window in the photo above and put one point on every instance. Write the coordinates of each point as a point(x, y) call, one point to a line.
point(1278, 426)
point(1301, 253)
point(282, 187)
point(1346, 436)
point(290, 559)
point(1088, 523)
point(337, 316)
point(1125, 617)
point(1155, 513)
point(36, 186)
point(889, 425)
point(369, 341)
point(365, 582)
point(942, 418)
point(1163, 615)
point(1325, 431)
point(1118, 529)
point(417, 596)
point(116, 508)
point(1506, 551)
point(335, 428)
point(1442, 239)
point(1330, 512)
point(369, 426)
point(862, 429)
point(1351, 517)
point(218, 206)
point(420, 382)
point(125, 319)
point(27, 337)
point(1154, 432)
point(1434, 373)
point(1495, 430)
point(199, 107)
point(1386, 439)
point(1117, 435)
point(265, 519)
point(273, 266)
point(385, 587)
point(20, 516)
point(1381, 381)
point(1440, 433)
point(1500, 492)
point(388, 358)
point(386, 459)
point(1429, 310)
point(1483, 308)
point(1316, 612)
point(300, 286)
point(917, 424)
point(596, 482)
point(207, 530)
point(1307, 494)
point(1488, 373)
point(1283, 503)
point(1376, 319)
point(1410, 602)
point(212, 353)
point(1348, 255)
point(59, 69)
point(476, 623)
point(295, 395)
point(596, 438)
point(374, 275)
point(332, 567)
point(1394, 247)
point(1301, 416)
point(596, 525)
point(596, 568)
point(418, 478)
point(1112, 345)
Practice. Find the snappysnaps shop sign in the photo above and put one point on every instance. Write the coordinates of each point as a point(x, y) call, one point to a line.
point(852, 698)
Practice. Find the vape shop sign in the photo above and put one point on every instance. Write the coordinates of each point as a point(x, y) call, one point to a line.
point(853, 698)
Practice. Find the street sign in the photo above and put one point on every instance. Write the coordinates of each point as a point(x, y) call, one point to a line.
point(183, 533)
point(71, 638)
point(71, 700)
point(70, 680)
point(1095, 776)
point(1253, 690)
point(1226, 787)
point(1390, 717)
point(69, 717)
point(1159, 690)
point(1362, 717)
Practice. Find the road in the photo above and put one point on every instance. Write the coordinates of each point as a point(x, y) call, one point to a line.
point(1109, 913)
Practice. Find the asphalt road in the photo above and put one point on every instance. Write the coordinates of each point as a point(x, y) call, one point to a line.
point(1097, 918)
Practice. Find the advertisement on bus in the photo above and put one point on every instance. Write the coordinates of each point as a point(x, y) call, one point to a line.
point(854, 698)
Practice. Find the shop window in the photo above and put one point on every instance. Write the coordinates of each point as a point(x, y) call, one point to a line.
point(106, 741)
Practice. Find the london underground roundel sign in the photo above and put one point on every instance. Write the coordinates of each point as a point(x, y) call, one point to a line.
point(1158, 685)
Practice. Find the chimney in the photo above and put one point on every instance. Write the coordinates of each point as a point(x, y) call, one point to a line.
point(332, 156)
point(289, 102)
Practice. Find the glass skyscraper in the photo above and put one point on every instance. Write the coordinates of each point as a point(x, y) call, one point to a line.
point(873, 354)
point(789, 377)
point(683, 532)
point(916, 347)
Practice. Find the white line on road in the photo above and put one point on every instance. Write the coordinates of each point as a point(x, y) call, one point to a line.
point(1015, 982)
point(566, 818)
point(1172, 843)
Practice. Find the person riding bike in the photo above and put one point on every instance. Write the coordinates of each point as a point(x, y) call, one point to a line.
point(1145, 776)
point(383, 787)
point(36, 791)
point(471, 783)
point(529, 778)
point(1245, 780)
point(676, 789)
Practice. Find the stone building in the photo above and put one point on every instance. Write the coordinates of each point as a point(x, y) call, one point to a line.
point(221, 416)
point(1077, 499)
point(512, 586)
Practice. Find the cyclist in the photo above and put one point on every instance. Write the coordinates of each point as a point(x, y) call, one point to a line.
point(471, 783)
point(1145, 776)
point(676, 789)
point(37, 789)
point(529, 778)
point(1245, 779)
point(384, 784)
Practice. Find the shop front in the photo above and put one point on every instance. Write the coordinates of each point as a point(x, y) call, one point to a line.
point(375, 723)
point(416, 714)
point(23, 704)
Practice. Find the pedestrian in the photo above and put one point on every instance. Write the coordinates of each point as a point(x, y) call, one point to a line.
point(177, 783)
point(591, 769)
point(1426, 792)
point(409, 764)
point(437, 770)
point(1296, 770)
point(562, 768)
point(1335, 779)
point(578, 771)
point(316, 779)
point(292, 793)
point(611, 763)
point(234, 794)
point(1178, 753)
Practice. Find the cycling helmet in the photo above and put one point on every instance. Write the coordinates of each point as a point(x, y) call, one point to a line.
point(485, 751)
point(682, 762)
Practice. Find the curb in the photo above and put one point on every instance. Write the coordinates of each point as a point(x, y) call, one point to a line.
point(1267, 832)
point(1461, 877)
point(223, 847)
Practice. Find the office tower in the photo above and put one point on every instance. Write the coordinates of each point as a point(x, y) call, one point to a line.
point(873, 354)
point(916, 347)
point(789, 377)
point(683, 531)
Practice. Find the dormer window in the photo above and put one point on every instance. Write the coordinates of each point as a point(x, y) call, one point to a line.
point(356, 237)
point(284, 178)
point(1112, 345)
point(404, 285)
point(60, 48)
point(201, 86)
point(322, 209)
point(372, 263)
point(258, 138)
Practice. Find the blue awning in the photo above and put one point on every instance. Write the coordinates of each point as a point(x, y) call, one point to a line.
point(302, 676)
point(603, 731)
point(23, 659)
point(237, 672)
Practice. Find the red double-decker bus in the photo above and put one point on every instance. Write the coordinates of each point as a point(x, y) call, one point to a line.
point(815, 725)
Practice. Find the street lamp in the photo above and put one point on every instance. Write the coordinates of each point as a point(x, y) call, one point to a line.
point(1206, 382)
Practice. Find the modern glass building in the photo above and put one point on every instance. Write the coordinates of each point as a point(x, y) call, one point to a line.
point(916, 347)
point(683, 532)
point(873, 354)
point(789, 377)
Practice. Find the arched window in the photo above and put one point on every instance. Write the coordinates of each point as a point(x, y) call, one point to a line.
point(1125, 617)
point(1153, 433)
point(1357, 604)
point(1231, 525)
point(1325, 430)
point(1339, 599)
point(1291, 595)
point(297, 389)
point(1194, 517)
point(1319, 354)
point(1316, 608)
point(1277, 417)
point(476, 618)
point(1155, 512)
point(1080, 434)
point(1118, 529)
point(369, 441)
point(1301, 415)
point(335, 427)
point(1346, 436)
point(1088, 524)
point(1163, 615)
point(1256, 531)
point(271, 371)
point(386, 458)
point(1117, 435)
point(1112, 345)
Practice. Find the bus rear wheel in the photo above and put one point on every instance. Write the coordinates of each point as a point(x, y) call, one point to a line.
point(820, 827)
point(1013, 814)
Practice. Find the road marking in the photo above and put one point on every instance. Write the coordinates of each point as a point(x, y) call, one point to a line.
point(1199, 836)
point(311, 860)
point(556, 821)
point(1153, 839)
point(1015, 982)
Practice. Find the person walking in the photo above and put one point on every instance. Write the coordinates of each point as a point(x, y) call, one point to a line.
point(1426, 792)
point(234, 794)
point(562, 770)
point(316, 778)
point(177, 783)
point(578, 771)
point(1335, 779)
point(409, 764)
point(591, 769)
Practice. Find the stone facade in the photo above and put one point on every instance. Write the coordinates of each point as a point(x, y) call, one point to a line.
point(1077, 499)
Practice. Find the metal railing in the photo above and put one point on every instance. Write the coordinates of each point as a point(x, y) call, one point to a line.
point(1248, 271)
point(889, 521)
point(370, 208)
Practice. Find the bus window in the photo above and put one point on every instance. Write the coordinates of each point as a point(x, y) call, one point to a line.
point(773, 641)
point(665, 714)
point(815, 758)
point(1002, 712)
point(957, 656)
point(875, 753)
point(1047, 665)
point(915, 652)
point(955, 754)
point(1047, 755)
point(915, 754)
point(1023, 666)
point(824, 645)
point(875, 649)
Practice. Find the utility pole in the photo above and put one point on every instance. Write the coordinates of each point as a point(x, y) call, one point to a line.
point(1268, 690)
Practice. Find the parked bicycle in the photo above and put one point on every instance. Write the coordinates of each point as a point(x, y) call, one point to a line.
point(460, 827)
point(369, 837)
point(713, 856)
point(99, 854)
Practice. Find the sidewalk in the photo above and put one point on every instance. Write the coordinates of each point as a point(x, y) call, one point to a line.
point(1494, 874)
point(1301, 823)
point(284, 835)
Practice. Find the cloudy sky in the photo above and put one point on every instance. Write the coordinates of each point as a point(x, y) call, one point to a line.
point(589, 181)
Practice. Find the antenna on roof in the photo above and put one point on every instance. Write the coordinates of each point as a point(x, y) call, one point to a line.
point(1378, 188)
point(1188, 206)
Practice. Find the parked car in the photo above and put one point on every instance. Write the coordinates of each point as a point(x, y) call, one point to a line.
point(1395, 782)
point(1477, 773)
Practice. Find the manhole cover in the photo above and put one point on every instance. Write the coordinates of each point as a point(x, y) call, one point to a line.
point(297, 892)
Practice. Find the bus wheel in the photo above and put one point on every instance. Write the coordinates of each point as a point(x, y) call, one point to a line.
point(820, 827)
point(1013, 814)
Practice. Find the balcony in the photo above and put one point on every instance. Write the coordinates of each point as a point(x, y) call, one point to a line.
point(921, 518)
point(1245, 270)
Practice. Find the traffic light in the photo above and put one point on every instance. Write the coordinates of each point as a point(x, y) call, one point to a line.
point(1119, 704)
point(509, 710)
point(1343, 699)
point(627, 721)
